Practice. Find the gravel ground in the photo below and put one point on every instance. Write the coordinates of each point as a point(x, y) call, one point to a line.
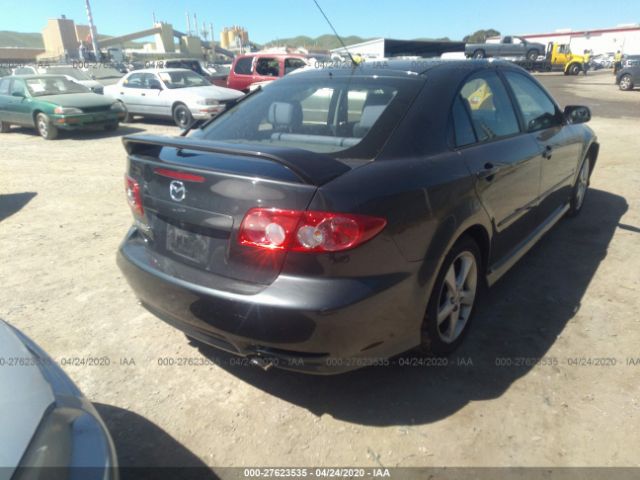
point(543, 379)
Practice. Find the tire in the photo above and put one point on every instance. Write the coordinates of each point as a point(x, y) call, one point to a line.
point(112, 127)
point(128, 118)
point(479, 54)
point(580, 189)
point(574, 69)
point(4, 127)
point(626, 83)
point(532, 55)
point(440, 334)
point(182, 116)
point(45, 128)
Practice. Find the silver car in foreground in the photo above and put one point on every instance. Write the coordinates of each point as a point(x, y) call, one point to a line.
point(49, 429)
point(175, 93)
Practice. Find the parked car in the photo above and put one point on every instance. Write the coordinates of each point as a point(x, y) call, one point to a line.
point(628, 78)
point(508, 46)
point(261, 67)
point(75, 75)
point(4, 72)
point(46, 421)
point(630, 61)
point(172, 93)
point(344, 215)
point(51, 103)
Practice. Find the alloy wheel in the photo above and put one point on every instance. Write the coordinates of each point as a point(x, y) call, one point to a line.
point(583, 183)
point(457, 297)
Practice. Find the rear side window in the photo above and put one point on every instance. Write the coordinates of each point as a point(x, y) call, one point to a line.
point(4, 86)
point(463, 130)
point(538, 111)
point(492, 113)
point(243, 66)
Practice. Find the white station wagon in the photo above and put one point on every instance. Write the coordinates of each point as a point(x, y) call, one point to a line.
point(176, 93)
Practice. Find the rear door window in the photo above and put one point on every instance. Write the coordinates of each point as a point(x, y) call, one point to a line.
point(243, 66)
point(492, 113)
point(268, 67)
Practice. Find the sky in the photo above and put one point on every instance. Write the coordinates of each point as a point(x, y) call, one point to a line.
point(271, 19)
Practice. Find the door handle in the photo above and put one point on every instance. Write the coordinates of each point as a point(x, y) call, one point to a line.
point(547, 152)
point(143, 94)
point(488, 171)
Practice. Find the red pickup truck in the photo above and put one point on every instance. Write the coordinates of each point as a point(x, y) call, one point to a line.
point(262, 67)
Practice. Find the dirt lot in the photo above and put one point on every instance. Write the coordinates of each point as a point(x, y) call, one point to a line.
point(572, 303)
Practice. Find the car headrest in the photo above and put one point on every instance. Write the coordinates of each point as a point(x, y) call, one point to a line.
point(285, 114)
point(369, 116)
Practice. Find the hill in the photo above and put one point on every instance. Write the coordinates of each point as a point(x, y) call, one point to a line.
point(34, 40)
point(326, 42)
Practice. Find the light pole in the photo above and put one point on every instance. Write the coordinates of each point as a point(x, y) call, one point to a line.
point(92, 31)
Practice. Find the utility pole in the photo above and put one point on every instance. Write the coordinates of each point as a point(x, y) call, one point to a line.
point(92, 31)
point(188, 24)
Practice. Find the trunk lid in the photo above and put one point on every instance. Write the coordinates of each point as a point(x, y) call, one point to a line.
point(195, 194)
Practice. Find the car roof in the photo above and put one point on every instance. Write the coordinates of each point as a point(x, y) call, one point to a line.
point(161, 70)
point(272, 54)
point(404, 68)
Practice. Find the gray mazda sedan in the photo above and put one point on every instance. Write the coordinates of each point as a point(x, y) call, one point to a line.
point(342, 216)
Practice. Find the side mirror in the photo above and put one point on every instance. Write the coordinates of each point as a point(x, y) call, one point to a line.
point(577, 114)
point(155, 85)
point(18, 94)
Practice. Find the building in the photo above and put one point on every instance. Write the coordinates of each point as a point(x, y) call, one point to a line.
point(234, 38)
point(388, 47)
point(60, 39)
point(625, 38)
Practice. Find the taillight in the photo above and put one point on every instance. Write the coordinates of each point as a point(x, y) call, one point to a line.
point(134, 198)
point(307, 231)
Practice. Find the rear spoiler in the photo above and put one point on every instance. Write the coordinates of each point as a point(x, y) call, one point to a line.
point(311, 168)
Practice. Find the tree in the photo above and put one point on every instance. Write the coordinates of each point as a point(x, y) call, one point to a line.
point(480, 36)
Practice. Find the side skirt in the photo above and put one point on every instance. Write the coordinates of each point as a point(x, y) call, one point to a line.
point(501, 267)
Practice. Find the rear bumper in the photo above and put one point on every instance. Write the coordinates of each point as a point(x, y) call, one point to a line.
point(313, 325)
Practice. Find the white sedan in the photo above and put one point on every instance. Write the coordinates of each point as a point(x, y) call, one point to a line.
point(176, 93)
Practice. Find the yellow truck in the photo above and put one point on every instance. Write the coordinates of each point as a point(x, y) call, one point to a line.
point(560, 56)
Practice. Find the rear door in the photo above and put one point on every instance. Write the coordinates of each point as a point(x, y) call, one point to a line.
point(132, 92)
point(506, 163)
point(558, 144)
point(242, 75)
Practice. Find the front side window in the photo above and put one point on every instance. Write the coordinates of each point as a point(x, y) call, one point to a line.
point(243, 66)
point(492, 113)
point(291, 64)
point(268, 67)
point(538, 111)
point(17, 88)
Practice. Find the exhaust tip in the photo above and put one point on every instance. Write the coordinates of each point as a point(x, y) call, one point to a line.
point(262, 363)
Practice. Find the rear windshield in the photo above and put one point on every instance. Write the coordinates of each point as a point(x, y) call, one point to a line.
point(348, 117)
point(183, 79)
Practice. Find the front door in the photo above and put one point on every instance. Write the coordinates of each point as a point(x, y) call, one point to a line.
point(558, 148)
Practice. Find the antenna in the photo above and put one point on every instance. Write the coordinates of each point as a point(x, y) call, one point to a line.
point(336, 33)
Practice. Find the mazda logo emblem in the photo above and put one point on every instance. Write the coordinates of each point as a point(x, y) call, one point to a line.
point(177, 190)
